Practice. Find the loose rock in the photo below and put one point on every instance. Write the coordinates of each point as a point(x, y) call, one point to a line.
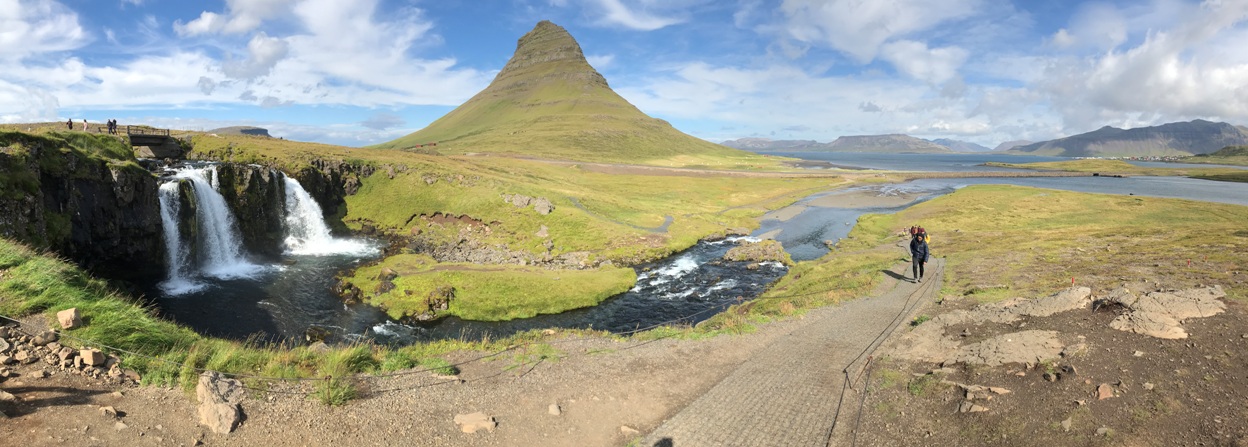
point(108, 412)
point(69, 318)
point(1104, 391)
point(44, 338)
point(91, 357)
point(554, 410)
point(219, 399)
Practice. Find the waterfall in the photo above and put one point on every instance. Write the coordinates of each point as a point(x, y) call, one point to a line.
point(221, 255)
point(306, 232)
point(175, 250)
point(218, 252)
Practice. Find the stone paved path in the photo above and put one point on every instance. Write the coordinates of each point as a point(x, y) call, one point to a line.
point(789, 394)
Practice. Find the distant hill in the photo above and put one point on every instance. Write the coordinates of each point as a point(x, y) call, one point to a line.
point(1231, 151)
point(549, 102)
point(766, 144)
point(896, 144)
point(242, 130)
point(961, 146)
point(1182, 138)
point(1011, 144)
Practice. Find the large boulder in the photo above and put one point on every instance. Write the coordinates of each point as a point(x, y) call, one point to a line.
point(219, 402)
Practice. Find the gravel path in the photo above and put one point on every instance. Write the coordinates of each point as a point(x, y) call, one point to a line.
point(790, 393)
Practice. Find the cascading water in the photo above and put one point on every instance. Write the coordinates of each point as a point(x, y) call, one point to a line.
point(219, 253)
point(175, 249)
point(306, 232)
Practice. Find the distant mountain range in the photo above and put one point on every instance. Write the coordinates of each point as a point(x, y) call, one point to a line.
point(893, 143)
point(1182, 138)
point(1011, 145)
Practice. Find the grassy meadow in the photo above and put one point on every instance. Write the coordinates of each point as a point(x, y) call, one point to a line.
point(1118, 167)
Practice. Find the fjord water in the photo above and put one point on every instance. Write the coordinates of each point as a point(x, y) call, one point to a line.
point(804, 235)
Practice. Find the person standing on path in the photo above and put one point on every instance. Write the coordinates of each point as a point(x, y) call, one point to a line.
point(918, 255)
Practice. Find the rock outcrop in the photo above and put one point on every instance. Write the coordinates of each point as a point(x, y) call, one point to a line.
point(256, 195)
point(100, 212)
point(1161, 314)
point(330, 182)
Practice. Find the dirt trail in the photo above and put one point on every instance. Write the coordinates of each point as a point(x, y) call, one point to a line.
point(795, 391)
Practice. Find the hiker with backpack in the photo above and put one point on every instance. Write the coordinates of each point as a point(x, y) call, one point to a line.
point(919, 253)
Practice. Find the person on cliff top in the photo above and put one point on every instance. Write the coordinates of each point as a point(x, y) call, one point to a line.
point(918, 254)
point(69, 124)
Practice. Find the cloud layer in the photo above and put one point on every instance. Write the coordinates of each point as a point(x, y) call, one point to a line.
point(810, 69)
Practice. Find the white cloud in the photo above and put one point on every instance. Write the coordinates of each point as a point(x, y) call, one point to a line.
point(241, 16)
point(1098, 26)
point(915, 59)
point(600, 61)
point(263, 52)
point(1161, 79)
point(341, 53)
point(37, 26)
point(383, 121)
point(858, 28)
point(636, 16)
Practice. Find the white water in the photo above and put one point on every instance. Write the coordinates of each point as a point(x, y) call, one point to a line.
point(175, 253)
point(306, 232)
point(220, 255)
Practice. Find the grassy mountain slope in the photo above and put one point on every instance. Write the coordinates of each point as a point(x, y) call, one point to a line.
point(549, 102)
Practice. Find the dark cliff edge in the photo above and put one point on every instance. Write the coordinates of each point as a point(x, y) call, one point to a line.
point(83, 197)
point(329, 182)
point(257, 196)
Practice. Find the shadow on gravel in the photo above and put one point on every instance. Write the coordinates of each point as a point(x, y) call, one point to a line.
point(894, 275)
point(55, 396)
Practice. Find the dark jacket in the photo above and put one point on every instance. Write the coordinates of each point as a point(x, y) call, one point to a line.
point(918, 249)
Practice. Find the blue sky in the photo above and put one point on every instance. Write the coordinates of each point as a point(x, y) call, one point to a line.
point(358, 72)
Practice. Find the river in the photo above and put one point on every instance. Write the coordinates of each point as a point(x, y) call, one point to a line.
point(282, 302)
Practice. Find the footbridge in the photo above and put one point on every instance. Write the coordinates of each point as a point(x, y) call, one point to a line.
point(156, 141)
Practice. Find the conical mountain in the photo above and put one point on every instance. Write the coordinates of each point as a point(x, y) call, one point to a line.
point(549, 102)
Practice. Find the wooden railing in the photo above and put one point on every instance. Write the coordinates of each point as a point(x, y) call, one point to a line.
point(140, 130)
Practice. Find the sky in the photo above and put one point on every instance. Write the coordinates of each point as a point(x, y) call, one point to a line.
point(359, 72)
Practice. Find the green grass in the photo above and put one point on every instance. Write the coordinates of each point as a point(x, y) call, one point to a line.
point(489, 293)
point(167, 354)
point(1241, 177)
point(1035, 240)
point(1118, 167)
